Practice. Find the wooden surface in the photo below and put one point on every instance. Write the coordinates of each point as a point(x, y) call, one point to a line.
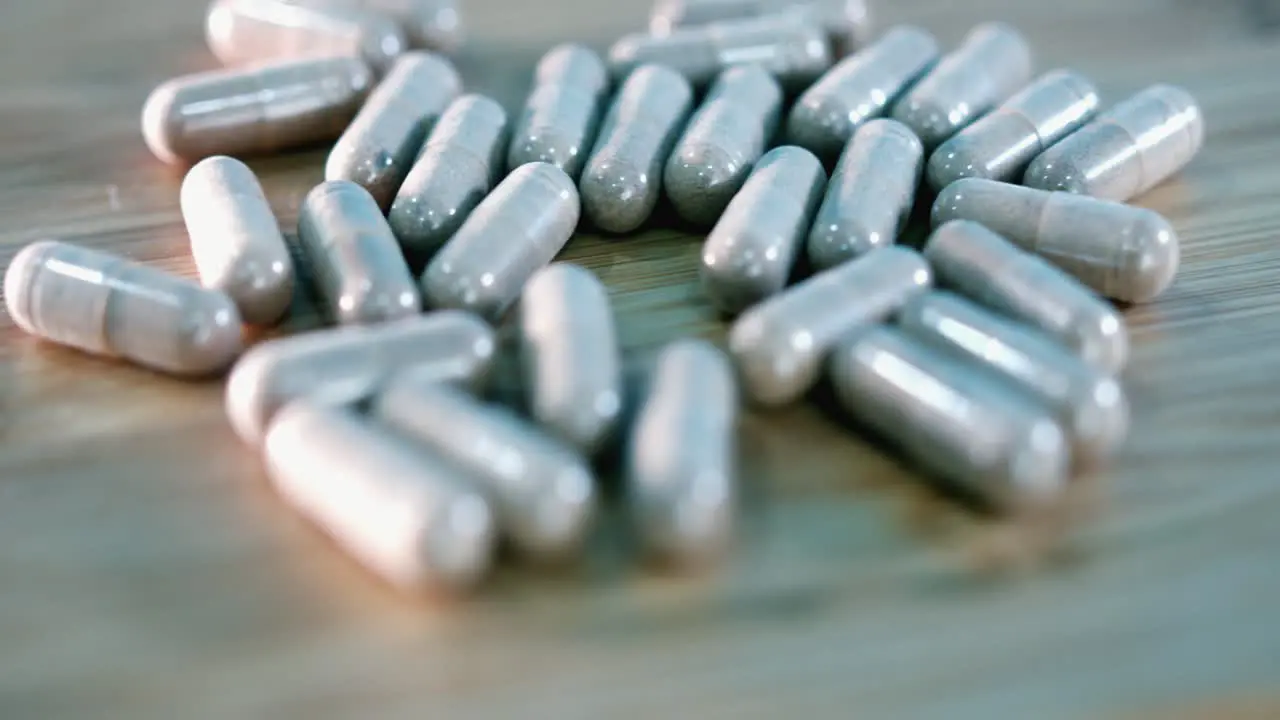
point(146, 570)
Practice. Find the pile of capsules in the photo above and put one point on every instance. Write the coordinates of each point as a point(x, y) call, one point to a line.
point(1002, 383)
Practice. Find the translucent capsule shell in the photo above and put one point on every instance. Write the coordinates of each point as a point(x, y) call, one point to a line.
point(562, 114)
point(847, 22)
point(243, 32)
point(428, 24)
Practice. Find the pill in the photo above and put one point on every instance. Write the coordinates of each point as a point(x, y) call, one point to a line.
point(1000, 145)
point(429, 24)
point(107, 305)
point(541, 490)
point(235, 240)
point(723, 140)
point(872, 191)
point(245, 111)
point(749, 254)
point(969, 429)
point(847, 22)
point(681, 464)
point(241, 32)
point(570, 357)
point(379, 147)
point(983, 266)
point(359, 270)
point(517, 229)
point(794, 51)
point(348, 364)
point(623, 176)
point(1088, 405)
point(562, 114)
point(1127, 150)
point(1122, 252)
point(859, 88)
point(779, 346)
point(405, 514)
point(991, 64)
point(461, 161)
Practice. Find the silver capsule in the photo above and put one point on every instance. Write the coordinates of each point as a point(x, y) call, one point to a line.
point(779, 345)
point(1123, 252)
point(871, 195)
point(992, 63)
point(517, 229)
point(379, 147)
point(107, 305)
point(847, 22)
point(623, 177)
point(970, 429)
point(347, 365)
point(428, 24)
point(1128, 150)
point(562, 114)
point(235, 239)
point(243, 32)
point(859, 88)
point(749, 254)
point(405, 514)
point(263, 109)
point(570, 355)
point(978, 263)
point(722, 141)
point(1000, 145)
point(461, 161)
point(681, 464)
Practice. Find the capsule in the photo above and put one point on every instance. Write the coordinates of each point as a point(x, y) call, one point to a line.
point(847, 22)
point(517, 229)
point(749, 254)
point(346, 365)
point(978, 263)
point(1128, 150)
point(1123, 252)
point(779, 345)
point(428, 24)
point(859, 88)
point(1000, 145)
point(723, 140)
point(107, 305)
point(461, 161)
point(623, 176)
point(235, 240)
point(256, 110)
point(403, 513)
point(872, 191)
point(569, 352)
point(971, 429)
point(562, 114)
point(991, 64)
point(379, 147)
point(681, 461)
point(241, 32)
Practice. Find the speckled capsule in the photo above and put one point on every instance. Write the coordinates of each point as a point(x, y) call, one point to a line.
point(1000, 145)
point(255, 110)
point(541, 490)
point(517, 229)
point(461, 161)
point(978, 263)
point(1128, 150)
point(1123, 252)
point(847, 22)
point(749, 254)
point(235, 239)
point(859, 88)
point(349, 364)
point(570, 356)
point(107, 305)
point(992, 63)
point(1088, 404)
point(561, 116)
point(970, 429)
point(405, 514)
point(722, 141)
point(429, 24)
point(243, 32)
point(871, 195)
point(379, 147)
point(681, 465)
point(623, 177)
point(779, 345)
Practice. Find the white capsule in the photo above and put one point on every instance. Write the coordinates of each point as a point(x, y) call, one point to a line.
point(563, 111)
point(251, 31)
point(847, 22)
point(428, 24)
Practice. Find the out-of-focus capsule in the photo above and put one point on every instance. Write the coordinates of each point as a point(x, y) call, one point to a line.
point(243, 32)
point(847, 22)
point(562, 113)
point(428, 24)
